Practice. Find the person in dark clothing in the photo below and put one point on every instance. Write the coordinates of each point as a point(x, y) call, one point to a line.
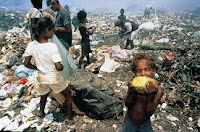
point(122, 17)
point(85, 33)
point(63, 24)
point(148, 11)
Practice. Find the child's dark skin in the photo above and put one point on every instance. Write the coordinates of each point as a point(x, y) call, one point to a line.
point(43, 38)
point(142, 106)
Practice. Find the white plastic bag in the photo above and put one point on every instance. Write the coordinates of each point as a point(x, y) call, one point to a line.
point(67, 60)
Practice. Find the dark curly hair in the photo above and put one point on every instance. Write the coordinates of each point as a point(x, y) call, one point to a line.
point(143, 55)
point(81, 15)
point(37, 3)
point(43, 24)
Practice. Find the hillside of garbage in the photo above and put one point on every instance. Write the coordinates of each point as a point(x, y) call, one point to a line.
point(100, 88)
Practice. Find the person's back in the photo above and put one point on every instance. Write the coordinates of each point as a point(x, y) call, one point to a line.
point(44, 57)
point(48, 63)
point(130, 26)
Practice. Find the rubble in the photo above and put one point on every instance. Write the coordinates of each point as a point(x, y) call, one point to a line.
point(170, 37)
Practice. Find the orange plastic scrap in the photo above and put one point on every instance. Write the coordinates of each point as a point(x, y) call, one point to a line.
point(169, 56)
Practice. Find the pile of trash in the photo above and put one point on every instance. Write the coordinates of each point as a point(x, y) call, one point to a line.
point(10, 19)
point(100, 88)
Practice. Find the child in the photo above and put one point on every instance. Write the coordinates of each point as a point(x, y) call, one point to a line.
point(142, 106)
point(122, 17)
point(48, 64)
point(85, 32)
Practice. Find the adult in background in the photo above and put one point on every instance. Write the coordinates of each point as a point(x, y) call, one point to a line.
point(148, 11)
point(34, 15)
point(48, 12)
point(63, 24)
point(128, 30)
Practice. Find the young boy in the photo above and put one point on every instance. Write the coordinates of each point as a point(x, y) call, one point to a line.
point(85, 33)
point(122, 17)
point(48, 63)
point(142, 106)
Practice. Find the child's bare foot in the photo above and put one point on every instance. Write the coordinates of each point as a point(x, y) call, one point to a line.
point(70, 122)
point(39, 113)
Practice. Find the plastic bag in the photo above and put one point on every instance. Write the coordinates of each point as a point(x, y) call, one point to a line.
point(67, 60)
point(23, 72)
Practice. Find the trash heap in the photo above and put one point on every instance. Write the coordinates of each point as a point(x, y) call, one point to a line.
point(11, 18)
point(99, 90)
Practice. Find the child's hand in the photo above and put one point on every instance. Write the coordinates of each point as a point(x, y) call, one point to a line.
point(151, 88)
point(131, 89)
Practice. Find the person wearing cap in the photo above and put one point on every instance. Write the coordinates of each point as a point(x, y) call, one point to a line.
point(63, 24)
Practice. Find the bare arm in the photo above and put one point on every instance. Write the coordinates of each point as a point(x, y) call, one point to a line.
point(129, 99)
point(158, 96)
point(153, 99)
point(28, 64)
point(59, 66)
point(126, 33)
point(90, 30)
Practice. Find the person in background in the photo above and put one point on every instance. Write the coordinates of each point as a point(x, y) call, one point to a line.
point(122, 17)
point(34, 15)
point(128, 30)
point(63, 24)
point(142, 106)
point(75, 23)
point(85, 33)
point(148, 11)
point(48, 11)
point(48, 63)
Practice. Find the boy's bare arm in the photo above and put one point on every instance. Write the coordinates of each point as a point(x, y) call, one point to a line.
point(153, 99)
point(89, 30)
point(158, 96)
point(129, 99)
point(28, 64)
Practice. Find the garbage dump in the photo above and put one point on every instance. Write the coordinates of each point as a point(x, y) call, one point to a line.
point(99, 89)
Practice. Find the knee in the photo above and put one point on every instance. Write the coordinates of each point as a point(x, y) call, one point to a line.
point(67, 92)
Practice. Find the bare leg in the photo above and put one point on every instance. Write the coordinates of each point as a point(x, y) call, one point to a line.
point(81, 60)
point(43, 100)
point(68, 102)
point(88, 59)
point(131, 42)
point(76, 109)
point(127, 43)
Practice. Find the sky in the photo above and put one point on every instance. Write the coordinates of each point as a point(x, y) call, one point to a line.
point(112, 5)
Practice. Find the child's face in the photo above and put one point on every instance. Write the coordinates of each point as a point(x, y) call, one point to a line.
point(122, 11)
point(143, 68)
